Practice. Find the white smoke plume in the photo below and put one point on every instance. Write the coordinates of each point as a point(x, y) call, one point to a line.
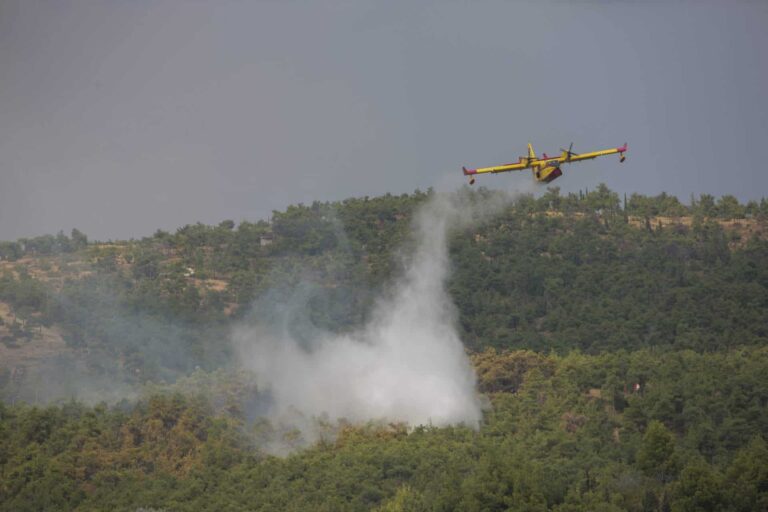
point(406, 364)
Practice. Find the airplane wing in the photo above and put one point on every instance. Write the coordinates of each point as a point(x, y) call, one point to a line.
point(496, 169)
point(594, 154)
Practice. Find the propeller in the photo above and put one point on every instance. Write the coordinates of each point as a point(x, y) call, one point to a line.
point(569, 152)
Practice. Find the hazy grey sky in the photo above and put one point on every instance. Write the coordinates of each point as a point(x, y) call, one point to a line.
point(119, 117)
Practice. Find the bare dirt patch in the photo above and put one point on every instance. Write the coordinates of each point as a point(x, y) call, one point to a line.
point(217, 285)
point(44, 343)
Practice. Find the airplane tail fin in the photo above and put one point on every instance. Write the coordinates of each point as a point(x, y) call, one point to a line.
point(531, 152)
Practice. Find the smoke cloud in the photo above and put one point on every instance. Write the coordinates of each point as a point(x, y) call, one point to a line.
point(406, 364)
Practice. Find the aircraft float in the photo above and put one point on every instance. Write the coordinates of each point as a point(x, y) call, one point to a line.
point(546, 168)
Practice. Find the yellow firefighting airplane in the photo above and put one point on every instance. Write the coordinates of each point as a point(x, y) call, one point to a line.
point(546, 168)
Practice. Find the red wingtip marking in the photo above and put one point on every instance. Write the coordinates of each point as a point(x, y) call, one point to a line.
point(622, 148)
point(467, 172)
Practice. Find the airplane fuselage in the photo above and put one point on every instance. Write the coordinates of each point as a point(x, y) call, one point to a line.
point(547, 172)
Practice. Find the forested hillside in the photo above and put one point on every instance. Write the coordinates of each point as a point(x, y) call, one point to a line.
point(564, 433)
point(585, 271)
point(620, 343)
